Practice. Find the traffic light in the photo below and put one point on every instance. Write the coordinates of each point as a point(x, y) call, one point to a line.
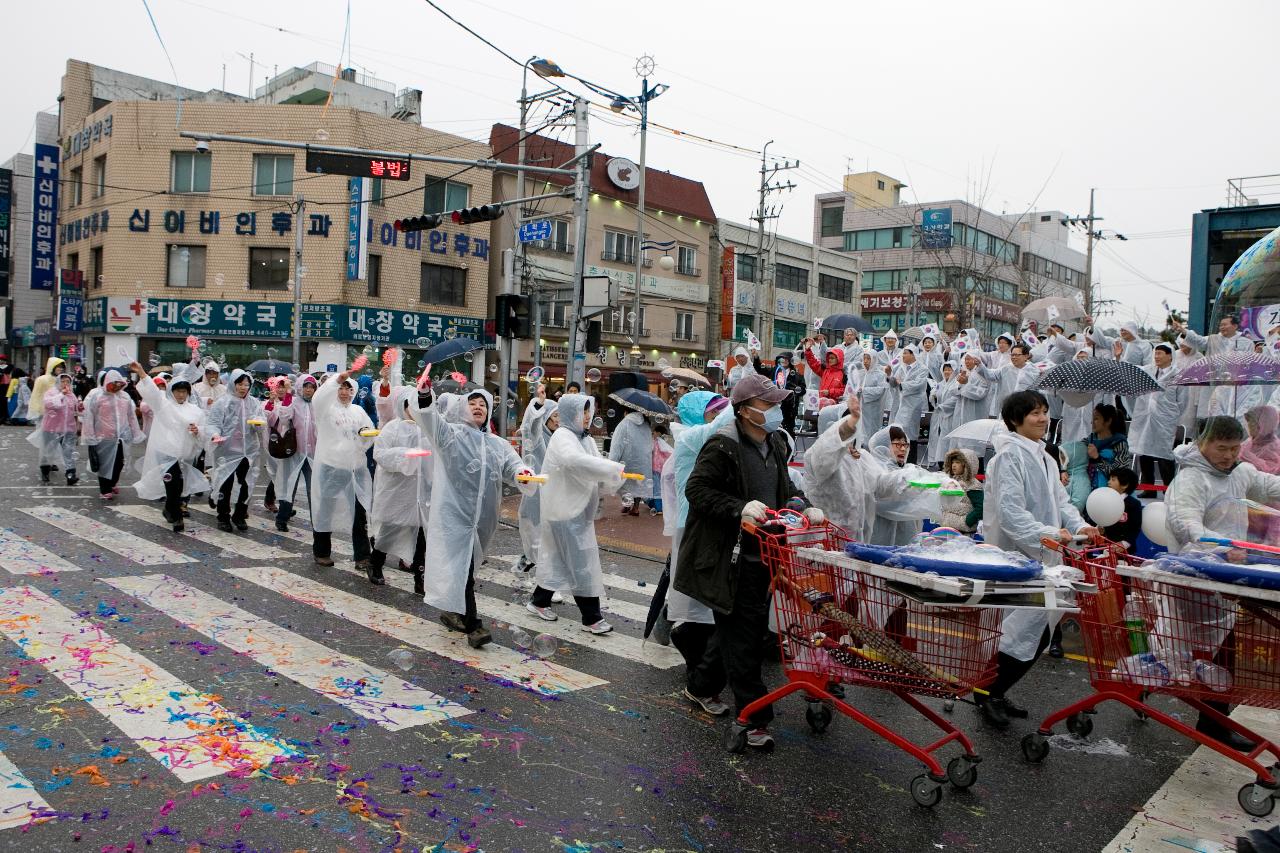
point(419, 223)
point(511, 316)
point(483, 213)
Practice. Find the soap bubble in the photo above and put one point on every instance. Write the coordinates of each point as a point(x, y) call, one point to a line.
point(473, 466)
point(168, 478)
point(402, 658)
point(521, 639)
point(674, 386)
point(611, 413)
point(192, 315)
point(593, 375)
point(598, 423)
point(302, 271)
point(295, 368)
point(123, 352)
point(545, 645)
point(468, 357)
point(631, 316)
point(493, 368)
point(663, 364)
point(253, 347)
point(368, 352)
point(219, 278)
point(322, 135)
point(511, 405)
point(534, 375)
point(422, 342)
point(422, 363)
point(153, 359)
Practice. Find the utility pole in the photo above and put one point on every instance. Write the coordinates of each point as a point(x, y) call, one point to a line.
point(297, 281)
point(1090, 234)
point(581, 196)
point(763, 214)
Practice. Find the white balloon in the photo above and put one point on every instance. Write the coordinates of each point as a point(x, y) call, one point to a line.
point(1105, 506)
point(1154, 524)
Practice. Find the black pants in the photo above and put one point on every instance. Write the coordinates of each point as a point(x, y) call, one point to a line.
point(470, 619)
point(238, 480)
point(285, 510)
point(1147, 466)
point(379, 558)
point(588, 605)
point(173, 493)
point(739, 637)
point(106, 484)
point(699, 645)
point(1010, 670)
point(270, 496)
point(322, 543)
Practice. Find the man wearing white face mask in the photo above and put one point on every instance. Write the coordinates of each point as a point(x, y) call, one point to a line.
point(739, 476)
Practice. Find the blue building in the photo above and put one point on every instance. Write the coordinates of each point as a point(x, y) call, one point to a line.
point(1218, 237)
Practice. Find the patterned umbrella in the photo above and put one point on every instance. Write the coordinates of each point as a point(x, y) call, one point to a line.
point(1232, 368)
point(1053, 309)
point(641, 401)
point(687, 376)
point(1099, 374)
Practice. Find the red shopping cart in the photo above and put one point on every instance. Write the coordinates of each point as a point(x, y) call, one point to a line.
point(1148, 631)
point(846, 626)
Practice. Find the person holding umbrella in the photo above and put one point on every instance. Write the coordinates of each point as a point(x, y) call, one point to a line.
point(632, 446)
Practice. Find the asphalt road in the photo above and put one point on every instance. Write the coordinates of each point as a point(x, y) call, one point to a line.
point(152, 697)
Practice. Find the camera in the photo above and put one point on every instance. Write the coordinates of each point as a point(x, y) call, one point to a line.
point(202, 146)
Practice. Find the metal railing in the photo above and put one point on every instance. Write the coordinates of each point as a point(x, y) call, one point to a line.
point(618, 257)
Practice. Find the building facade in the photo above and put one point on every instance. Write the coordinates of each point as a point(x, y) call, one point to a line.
point(159, 239)
point(779, 291)
point(949, 262)
point(675, 318)
point(1219, 236)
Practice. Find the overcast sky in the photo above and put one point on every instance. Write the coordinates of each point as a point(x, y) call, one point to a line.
point(1018, 104)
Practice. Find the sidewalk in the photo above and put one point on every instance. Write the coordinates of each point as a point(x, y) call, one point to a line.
point(638, 536)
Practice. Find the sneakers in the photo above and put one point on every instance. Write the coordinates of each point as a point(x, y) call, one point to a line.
point(106, 496)
point(601, 627)
point(72, 479)
point(479, 637)
point(454, 622)
point(760, 739)
point(557, 598)
point(711, 704)
point(545, 613)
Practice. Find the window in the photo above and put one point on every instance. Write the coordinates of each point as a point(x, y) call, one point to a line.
point(787, 334)
point(618, 320)
point(99, 176)
point(268, 269)
point(832, 221)
point(687, 261)
point(787, 277)
point(879, 185)
point(189, 172)
point(375, 191)
point(742, 322)
point(619, 247)
point(186, 266)
point(559, 241)
point(553, 313)
point(375, 275)
point(833, 287)
point(273, 174)
point(77, 175)
point(746, 267)
point(1046, 218)
point(443, 285)
point(97, 274)
point(73, 261)
point(684, 327)
point(442, 195)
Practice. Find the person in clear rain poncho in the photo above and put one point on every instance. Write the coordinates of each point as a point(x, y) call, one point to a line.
point(343, 489)
point(396, 524)
point(110, 427)
point(910, 384)
point(290, 408)
point(235, 422)
point(569, 559)
point(55, 438)
point(209, 389)
point(895, 521)
point(540, 421)
point(53, 367)
point(168, 470)
point(470, 465)
point(632, 445)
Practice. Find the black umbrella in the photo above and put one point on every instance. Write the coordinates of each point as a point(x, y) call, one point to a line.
point(446, 350)
point(641, 401)
point(1099, 374)
point(840, 322)
point(658, 609)
point(272, 366)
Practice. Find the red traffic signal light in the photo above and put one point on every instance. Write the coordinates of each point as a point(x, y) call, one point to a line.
point(483, 213)
point(418, 223)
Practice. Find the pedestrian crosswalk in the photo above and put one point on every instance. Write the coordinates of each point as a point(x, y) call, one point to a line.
point(19, 802)
point(231, 543)
point(20, 557)
point(127, 545)
point(617, 606)
point(296, 532)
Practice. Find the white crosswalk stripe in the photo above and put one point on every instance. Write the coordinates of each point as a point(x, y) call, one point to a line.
point(21, 557)
point(241, 546)
point(625, 609)
point(19, 801)
point(100, 535)
point(185, 730)
point(296, 532)
point(374, 694)
point(617, 644)
point(542, 676)
point(622, 583)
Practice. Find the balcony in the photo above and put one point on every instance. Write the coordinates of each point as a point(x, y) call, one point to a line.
point(563, 247)
point(694, 271)
point(618, 257)
point(683, 338)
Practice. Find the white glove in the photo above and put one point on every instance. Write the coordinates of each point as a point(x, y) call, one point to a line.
point(815, 515)
point(754, 511)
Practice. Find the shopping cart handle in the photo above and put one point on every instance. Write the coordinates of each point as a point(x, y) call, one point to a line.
point(1236, 543)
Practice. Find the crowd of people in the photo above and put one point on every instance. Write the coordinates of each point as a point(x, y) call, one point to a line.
point(416, 477)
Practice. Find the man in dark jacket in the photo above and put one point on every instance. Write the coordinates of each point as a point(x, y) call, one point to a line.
point(740, 474)
point(782, 374)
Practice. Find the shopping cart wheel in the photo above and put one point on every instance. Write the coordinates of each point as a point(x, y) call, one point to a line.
point(962, 772)
point(949, 705)
point(1257, 800)
point(1080, 725)
point(925, 791)
point(735, 739)
point(1035, 747)
point(818, 716)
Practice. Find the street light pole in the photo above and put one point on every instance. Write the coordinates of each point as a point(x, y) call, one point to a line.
point(297, 282)
point(581, 196)
point(643, 107)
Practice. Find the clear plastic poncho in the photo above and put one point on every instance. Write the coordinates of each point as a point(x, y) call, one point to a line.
point(229, 418)
point(55, 437)
point(395, 519)
point(534, 437)
point(171, 442)
point(340, 477)
point(110, 423)
point(299, 415)
point(632, 445)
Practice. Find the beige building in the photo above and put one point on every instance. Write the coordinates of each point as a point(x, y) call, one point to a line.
point(675, 320)
point(171, 241)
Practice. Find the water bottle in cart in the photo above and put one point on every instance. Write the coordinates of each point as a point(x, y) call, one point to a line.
point(1145, 670)
point(1216, 678)
point(1137, 619)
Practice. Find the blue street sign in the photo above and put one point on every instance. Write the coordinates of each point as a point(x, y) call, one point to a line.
point(533, 231)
